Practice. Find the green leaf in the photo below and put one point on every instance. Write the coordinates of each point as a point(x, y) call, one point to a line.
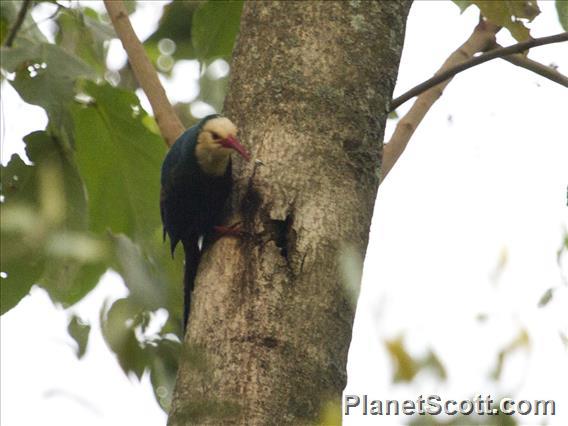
point(44, 219)
point(521, 341)
point(518, 30)
point(131, 6)
point(62, 180)
point(563, 339)
point(168, 273)
point(432, 362)
point(77, 257)
point(562, 9)
point(21, 268)
point(118, 327)
point(463, 4)
point(45, 76)
point(330, 413)
point(29, 30)
point(215, 28)
point(163, 370)
point(393, 115)
point(119, 160)
point(20, 261)
point(17, 182)
point(3, 29)
point(405, 366)
point(546, 298)
point(176, 25)
point(82, 34)
point(525, 9)
point(58, 62)
point(144, 284)
point(79, 331)
point(213, 90)
point(153, 278)
point(67, 281)
point(509, 14)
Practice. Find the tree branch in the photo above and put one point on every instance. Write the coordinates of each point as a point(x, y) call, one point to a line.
point(536, 67)
point(482, 37)
point(496, 53)
point(19, 21)
point(168, 122)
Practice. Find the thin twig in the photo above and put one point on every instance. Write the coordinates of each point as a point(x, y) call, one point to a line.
point(19, 21)
point(482, 37)
point(536, 67)
point(496, 53)
point(168, 121)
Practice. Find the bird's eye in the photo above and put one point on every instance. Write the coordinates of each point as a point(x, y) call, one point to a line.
point(215, 135)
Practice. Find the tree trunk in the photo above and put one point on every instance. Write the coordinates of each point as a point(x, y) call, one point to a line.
point(272, 315)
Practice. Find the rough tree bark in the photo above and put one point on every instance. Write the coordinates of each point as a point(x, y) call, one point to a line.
point(271, 317)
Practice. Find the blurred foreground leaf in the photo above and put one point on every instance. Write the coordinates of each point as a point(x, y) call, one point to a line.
point(521, 341)
point(145, 287)
point(432, 362)
point(546, 298)
point(84, 35)
point(176, 25)
point(119, 160)
point(119, 331)
point(407, 367)
point(8, 14)
point(214, 29)
point(163, 370)
point(44, 221)
point(21, 261)
point(79, 331)
point(351, 269)
point(45, 75)
point(331, 414)
point(510, 14)
point(562, 9)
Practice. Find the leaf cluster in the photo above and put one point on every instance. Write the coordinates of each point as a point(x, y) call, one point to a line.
point(85, 199)
point(514, 15)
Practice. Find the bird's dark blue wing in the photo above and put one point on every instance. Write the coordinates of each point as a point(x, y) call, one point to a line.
point(175, 170)
point(191, 202)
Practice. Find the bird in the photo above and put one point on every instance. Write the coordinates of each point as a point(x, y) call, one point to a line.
point(196, 182)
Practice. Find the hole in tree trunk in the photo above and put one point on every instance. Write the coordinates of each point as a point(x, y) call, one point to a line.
point(282, 230)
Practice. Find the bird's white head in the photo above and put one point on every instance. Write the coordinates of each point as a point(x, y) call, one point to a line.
point(215, 143)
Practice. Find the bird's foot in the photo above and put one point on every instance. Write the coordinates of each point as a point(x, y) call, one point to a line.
point(235, 230)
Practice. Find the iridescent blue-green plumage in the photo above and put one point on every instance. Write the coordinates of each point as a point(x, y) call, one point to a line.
point(191, 202)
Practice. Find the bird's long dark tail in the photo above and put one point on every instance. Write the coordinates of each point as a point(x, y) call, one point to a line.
point(192, 256)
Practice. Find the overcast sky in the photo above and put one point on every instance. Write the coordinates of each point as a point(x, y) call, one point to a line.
point(484, 178)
